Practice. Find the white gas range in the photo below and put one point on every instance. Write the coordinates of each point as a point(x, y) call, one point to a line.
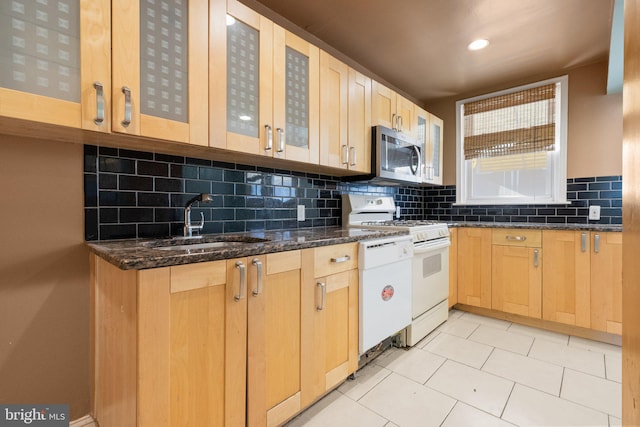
point(430, 262)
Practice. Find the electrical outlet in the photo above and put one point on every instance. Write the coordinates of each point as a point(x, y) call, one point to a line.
point(594, 212)
point(301, 213)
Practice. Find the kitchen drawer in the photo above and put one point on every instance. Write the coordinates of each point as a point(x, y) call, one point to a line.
point(517, 237)
point(335, 259)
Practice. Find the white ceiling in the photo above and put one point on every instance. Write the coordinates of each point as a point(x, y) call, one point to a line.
point(419, 46)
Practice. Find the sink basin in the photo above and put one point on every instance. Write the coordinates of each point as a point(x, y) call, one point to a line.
point(194, 246)
point(204, 243)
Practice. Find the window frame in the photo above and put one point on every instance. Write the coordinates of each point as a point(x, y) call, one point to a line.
point(559, 171)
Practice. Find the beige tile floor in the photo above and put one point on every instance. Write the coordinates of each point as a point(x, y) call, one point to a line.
point(476, 371)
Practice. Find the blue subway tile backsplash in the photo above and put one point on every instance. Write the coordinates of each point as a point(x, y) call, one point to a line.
point(132, 194)
point(605, 191)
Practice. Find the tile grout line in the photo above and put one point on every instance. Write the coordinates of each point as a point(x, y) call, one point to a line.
point(449, 413)
point(507, 401)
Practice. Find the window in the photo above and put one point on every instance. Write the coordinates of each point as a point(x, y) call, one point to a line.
point(511, 145)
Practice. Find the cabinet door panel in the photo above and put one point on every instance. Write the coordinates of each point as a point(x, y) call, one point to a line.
point(516, 280)
point(241, 74)
point(453, 268)
point(606, 282)
point(50, 63)
point(296, 97)
point(160, 57)
point(566, 291)
point(383, 105)
point(334, 76)
point(474, 266)
point(359, 117)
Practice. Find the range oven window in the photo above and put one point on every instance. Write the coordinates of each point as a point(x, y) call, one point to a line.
point(431, 265)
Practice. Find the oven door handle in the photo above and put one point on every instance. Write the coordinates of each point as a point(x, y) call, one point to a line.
point(422, 248)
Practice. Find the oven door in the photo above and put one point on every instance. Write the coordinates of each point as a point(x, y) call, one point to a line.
point(430, 271)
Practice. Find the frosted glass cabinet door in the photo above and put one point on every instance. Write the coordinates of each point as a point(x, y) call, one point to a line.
point(160, 66)
point(55, 62)
point(296, 97)
point(241, 101)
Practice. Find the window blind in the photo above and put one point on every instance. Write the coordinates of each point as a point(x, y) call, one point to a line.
point(515, 123)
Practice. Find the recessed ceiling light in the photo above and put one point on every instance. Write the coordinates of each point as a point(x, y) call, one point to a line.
point(478, 44)
point(230, 20)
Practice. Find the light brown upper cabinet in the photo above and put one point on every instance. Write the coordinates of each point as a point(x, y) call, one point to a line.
point(264, 84)
point(160, 69)
point(57, 67)
point(474, 266)
point(606, 282)
point(138, 68)
point(345, 116)
point(392, 110)
point(516, 272)
point(566, 277)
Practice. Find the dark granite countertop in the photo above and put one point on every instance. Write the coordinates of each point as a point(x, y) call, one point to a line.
point(539, 226)
point(139, 254)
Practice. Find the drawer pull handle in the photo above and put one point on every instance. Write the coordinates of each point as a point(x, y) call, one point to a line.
point(584, 242)
point(127, 106)
point(323, 293)
point(99, 118)
point(596, 243)
point(243, 280)
point(536, 257)
point(516, 238)
point(258, 264)
point(341, 259)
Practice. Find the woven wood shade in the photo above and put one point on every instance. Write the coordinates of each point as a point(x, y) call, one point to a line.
point(515, 123)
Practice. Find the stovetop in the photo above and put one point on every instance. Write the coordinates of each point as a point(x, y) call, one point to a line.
point(399, 223)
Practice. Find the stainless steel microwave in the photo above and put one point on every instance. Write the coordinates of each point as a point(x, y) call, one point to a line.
point(395, 159)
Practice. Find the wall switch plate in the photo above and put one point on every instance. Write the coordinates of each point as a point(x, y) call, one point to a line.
point(301, 214)
point(594, 212)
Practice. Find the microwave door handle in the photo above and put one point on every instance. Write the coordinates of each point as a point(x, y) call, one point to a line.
point(416, 152)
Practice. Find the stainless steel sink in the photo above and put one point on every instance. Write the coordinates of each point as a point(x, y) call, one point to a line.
point(195, 246)
point(204, 243)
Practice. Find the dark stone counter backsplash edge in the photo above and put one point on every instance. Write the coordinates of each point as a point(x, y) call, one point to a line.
point(135, 194)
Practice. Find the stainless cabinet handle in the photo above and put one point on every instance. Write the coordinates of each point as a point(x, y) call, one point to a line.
point(583, 245)
point(127, 106)
point(99, 118)
point(345, 155)
point(400, 123)
point(536, 254)
point(516, 238)
point(341, 259)
point(280, 139)
point(394, 121)
point(243, 280)
point(352, 156)
point(268, 137)
point(323, 293)
point(258, 290)
point(596, 243)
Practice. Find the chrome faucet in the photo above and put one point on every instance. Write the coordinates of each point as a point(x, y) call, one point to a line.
point(188, 227)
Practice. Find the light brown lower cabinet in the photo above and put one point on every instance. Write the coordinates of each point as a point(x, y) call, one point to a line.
point(474, 266)
point(330, 319)
point(606, 282)
point(453, 267)
point(238, 342)
point(578, 282)
point(516, 272)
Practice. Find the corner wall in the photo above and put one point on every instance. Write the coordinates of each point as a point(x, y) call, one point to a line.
point(44, 276)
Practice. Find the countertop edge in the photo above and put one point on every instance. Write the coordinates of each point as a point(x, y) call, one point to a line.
point(136, 254)
point(538, 226)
